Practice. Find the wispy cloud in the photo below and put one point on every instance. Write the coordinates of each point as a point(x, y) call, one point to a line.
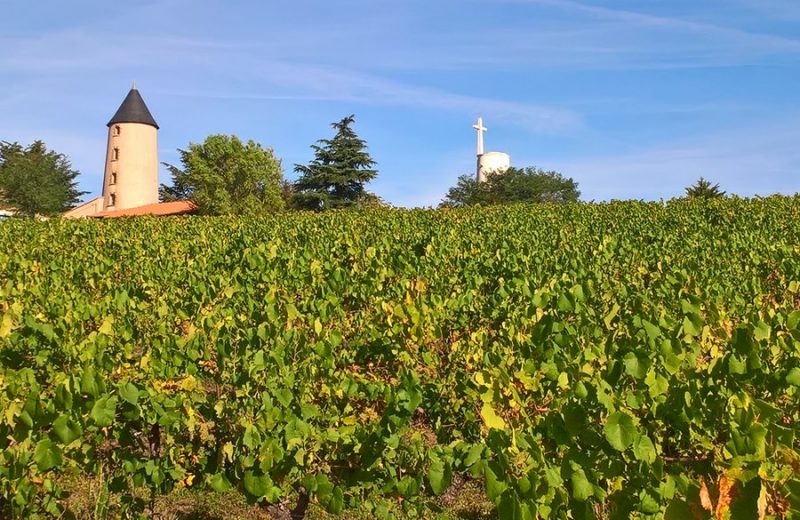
point(786, 10)
point(275, 79)
point(349, 85)
point(759, 159)
point(77, 50)
point(765, 41)
point(606, 37)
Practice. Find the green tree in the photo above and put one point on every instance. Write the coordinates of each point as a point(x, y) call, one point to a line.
point(467, 192)
point(703, 189)
point(336, 176)
point(514, 185)
point(35, 180)
point(225, 176)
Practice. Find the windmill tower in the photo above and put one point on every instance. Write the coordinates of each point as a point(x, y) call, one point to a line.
point(130, 178)
point(131, 170)
point(488, 162)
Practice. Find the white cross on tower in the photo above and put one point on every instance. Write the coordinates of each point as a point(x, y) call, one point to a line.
point(481, 129)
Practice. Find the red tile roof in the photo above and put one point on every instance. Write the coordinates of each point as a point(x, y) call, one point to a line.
point(178, 207)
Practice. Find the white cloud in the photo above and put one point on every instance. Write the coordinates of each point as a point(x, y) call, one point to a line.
point(757, 159)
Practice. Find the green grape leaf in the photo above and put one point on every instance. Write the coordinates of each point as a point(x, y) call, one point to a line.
point(689, 327)
point(634, 367)
point(620, 431)
point(678, 510)
point(129, 393)
point(336, 503)
point(47, 455)
point(582, 489)
point(511, 508)
point(494, 486)
point(219, 482)
point(439, 476)
point(474, 454)
point(104, 410)
point(257, 484)
point(66, 429)
point(89, 382)
point(644, 450)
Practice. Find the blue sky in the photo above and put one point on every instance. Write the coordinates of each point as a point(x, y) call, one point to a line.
point(633, 99)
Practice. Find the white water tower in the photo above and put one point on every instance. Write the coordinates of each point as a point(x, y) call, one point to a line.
point(489, 162)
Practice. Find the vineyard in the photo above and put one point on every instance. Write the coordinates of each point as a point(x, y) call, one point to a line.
point(621, 360)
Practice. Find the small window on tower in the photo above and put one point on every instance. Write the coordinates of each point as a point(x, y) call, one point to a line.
point(115, 154)
point(116, 129)
point(112, 199)
point(113, 178)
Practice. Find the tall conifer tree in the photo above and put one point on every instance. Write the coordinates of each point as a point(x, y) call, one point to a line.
point(336, 176)
point(703, 189)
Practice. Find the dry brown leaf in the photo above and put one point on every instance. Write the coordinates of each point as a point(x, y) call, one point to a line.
point(727, 492)
point(705, 497)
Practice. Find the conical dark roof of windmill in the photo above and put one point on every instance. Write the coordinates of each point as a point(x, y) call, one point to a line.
point(133, 110)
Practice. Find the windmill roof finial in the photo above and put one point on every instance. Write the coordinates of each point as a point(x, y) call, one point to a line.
point(133, 110)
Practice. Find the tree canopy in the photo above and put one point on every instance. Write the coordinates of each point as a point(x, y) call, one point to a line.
point(704, 190)
point(223, 176)
point(35, 180)
point(514, 185)
point(338, 173)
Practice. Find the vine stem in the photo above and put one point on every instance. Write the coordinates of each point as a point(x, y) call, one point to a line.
point(688, 460)
point(299, 512)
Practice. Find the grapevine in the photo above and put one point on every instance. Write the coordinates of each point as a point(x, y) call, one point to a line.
point(619, 360)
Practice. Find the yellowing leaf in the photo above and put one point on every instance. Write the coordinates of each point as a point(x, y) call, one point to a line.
point(609, 318)
point(228, 451)
point(6, 325)
point(189, 383)
point(11, 412)
point(491, 419)
point(291, 312)
point(107, 327)
point(762, 503)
